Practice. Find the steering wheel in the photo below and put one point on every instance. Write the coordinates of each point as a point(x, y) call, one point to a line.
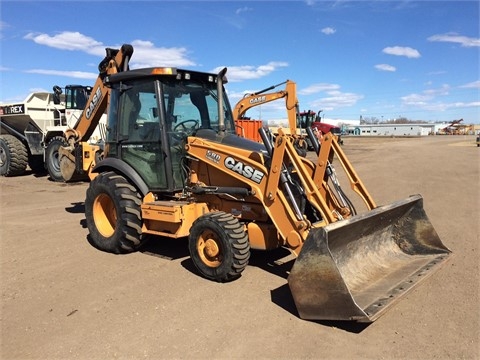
point(185, 128)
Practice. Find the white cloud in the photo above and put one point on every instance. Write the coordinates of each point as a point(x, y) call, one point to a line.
point(67, 40)
point(248, 72)
point(73, 74)
point(316, 88)
point(328, 31)
point(234, 96)
point(443, 90)
point(402, 51)
point(385, 67)
point(243, 9)
point(427, 99)
point(336, 99)
point(441, 106)
point(425, 96)
point(464, 41)
point(472, 85)
point(416, 99)
point(146, 54)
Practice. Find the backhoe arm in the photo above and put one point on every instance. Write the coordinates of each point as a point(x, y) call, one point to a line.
point(78, 156)
point(259, 98)
point(114, 61)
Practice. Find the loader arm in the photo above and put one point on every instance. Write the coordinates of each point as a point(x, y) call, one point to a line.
point(330, 146)
point(267, 182)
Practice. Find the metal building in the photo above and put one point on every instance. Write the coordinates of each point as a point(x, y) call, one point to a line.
point(392, 130)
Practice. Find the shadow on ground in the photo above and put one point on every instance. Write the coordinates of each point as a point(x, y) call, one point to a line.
point(277, 262)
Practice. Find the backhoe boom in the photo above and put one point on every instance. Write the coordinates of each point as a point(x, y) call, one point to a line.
point(74, 163)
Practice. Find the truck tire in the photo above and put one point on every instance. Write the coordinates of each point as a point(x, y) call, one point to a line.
point(52, 160)
point(113, 214)
point(13, 156)
point(219, 246)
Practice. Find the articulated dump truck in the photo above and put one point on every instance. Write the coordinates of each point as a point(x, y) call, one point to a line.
point(31, 132)
point(173, 166)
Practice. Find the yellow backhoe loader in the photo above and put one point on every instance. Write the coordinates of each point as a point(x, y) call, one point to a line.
point(173, 166)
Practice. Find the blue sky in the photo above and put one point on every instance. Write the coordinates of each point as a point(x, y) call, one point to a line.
point(376, 59)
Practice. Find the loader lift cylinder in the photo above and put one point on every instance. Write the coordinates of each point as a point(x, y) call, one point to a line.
point(314, 140)
point(283, 175)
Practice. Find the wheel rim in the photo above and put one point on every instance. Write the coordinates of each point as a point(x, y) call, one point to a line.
point(55, 161)
point(3, 156)
point(54, 158)
point(209, 249)
point(104, 215)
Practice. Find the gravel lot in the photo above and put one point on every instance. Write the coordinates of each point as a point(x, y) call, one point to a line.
point(63, 299)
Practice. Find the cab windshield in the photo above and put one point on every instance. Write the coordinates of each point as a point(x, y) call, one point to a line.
point(190, 106)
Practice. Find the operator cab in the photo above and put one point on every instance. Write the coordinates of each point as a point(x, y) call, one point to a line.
point(151, 113)
point(76, 96)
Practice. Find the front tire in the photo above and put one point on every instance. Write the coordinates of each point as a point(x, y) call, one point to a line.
point(113, 214)
point(219, 246)
point(52, 158)
point(13, 156)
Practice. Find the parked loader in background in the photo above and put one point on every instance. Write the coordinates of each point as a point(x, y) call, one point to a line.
point(174, 167)
point(32, 131)
point(294, 129)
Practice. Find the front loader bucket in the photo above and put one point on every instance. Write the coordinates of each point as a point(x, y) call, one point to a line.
point(355, 269)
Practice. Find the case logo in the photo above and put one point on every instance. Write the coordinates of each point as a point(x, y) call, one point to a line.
point(244, 170)
point(258, 99)
point(94, 103)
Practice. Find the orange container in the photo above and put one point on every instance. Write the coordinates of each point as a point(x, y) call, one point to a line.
point(249, 129)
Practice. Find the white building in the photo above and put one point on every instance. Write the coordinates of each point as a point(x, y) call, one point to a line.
point(341, 122)
point(391, 130)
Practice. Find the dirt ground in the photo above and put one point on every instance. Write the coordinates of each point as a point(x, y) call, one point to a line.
point(63, 299)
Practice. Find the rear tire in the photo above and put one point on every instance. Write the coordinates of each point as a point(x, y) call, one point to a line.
point(13, 156)
point(219, 246)
point(113, 214)
point(52, 158)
